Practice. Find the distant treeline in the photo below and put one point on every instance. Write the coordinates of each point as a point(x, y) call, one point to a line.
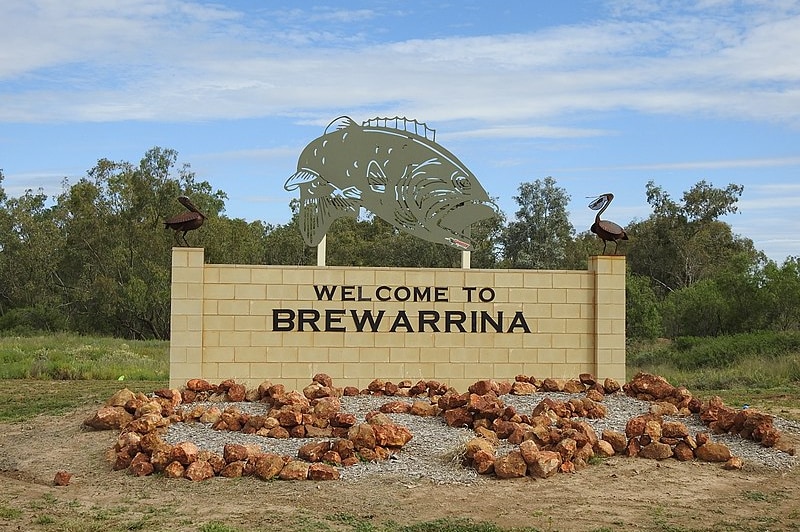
point(96, 258)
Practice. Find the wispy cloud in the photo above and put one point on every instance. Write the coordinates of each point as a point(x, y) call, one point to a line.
point(770, 162)
point(84, 61)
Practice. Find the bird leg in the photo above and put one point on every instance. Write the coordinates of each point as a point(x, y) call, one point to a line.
point(184, 239)
point(604, 246)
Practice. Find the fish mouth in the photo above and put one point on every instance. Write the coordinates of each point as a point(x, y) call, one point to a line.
point(460, 217)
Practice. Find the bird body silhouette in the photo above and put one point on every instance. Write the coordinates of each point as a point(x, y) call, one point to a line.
point(606, 230)
point(186, 221)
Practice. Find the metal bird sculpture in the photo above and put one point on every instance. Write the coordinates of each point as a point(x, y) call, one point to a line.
point(606, 230)
point(186, 221)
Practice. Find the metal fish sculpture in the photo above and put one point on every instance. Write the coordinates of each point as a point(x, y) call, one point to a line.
point(399, 175)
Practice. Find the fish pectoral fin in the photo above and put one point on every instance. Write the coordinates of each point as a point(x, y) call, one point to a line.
point(301, 177)
point(351, 192)
point(376, 177)
point(318, 213)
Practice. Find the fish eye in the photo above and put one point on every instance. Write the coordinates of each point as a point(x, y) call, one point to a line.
point(461, 181)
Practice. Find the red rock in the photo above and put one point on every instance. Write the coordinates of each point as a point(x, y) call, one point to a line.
point(545, 464)
point(279, 433)
point(268, 466)
point(529, 450)
point(663, 408)
point(362, 436)
point(234, 452)
point(376, 385)
point(211, 415)
point(484, 386)
point(199, 385)
point(174, 470)
point(316, 432)
point(396, 407)
point(551, 385)
point(313, 452)
point(324, 379)
point(611, 386)
point(511, 465)
point(656, 451)
point(322, 472)
point(350, 391)
point(161, 457)
point(391, 389)
point(391, 435)
point(185, 452)
point(109, 417)
point(566, 448)
point(483, 462)
point(573, 386)
point(654, 386)
point(458, 417)
point(587, 378)
point(683, 452)
point(342, 419)
point(120, 398)
point(332, 457)
point(141, 466)
point(733, 463)
point(487, 434)
point(62, 478)
point(523, 388)
point(702, 438)
point(237, 392)
point(603, 449)
point(288, 418)
point(294, 470)
point(232, 470)
point(584, 452)
point(199, 470)
point(122, 460)
point(595, 395)
point(326, 407)
point(424, 409)
point(344, 447)
point(674, 429)
point(633, 447)
point(477, 444)
point(713, 452)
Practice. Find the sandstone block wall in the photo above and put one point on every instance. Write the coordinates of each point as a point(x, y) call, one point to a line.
point(287, 323)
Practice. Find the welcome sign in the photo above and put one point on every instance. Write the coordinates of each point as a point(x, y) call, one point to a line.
point(285, 324)
point(421, 320)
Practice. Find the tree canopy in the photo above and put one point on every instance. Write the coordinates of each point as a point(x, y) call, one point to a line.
point(96, 258)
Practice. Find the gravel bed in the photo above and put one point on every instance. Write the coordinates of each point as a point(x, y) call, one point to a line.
point(433, 454)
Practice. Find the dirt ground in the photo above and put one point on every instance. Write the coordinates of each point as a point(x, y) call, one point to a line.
point(619, 494)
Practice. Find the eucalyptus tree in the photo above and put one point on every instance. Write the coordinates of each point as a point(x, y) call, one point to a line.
point(116, 259)
point(541, 232)
point(684, 242)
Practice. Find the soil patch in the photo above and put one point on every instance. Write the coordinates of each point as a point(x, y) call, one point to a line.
point(619, 494)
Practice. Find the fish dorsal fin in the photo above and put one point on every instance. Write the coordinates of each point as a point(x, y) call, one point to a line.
point(301, 177)
point(376, 177)
point(343, 122)
point(409, 125)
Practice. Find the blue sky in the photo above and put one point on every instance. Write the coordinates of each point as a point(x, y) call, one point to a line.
point(602, 96)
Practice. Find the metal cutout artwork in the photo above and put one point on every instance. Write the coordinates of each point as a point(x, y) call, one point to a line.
point(187, 221)
point(606, 230)
point(394, 168)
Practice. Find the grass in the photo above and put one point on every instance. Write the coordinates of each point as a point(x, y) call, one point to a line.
point(65, 356)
